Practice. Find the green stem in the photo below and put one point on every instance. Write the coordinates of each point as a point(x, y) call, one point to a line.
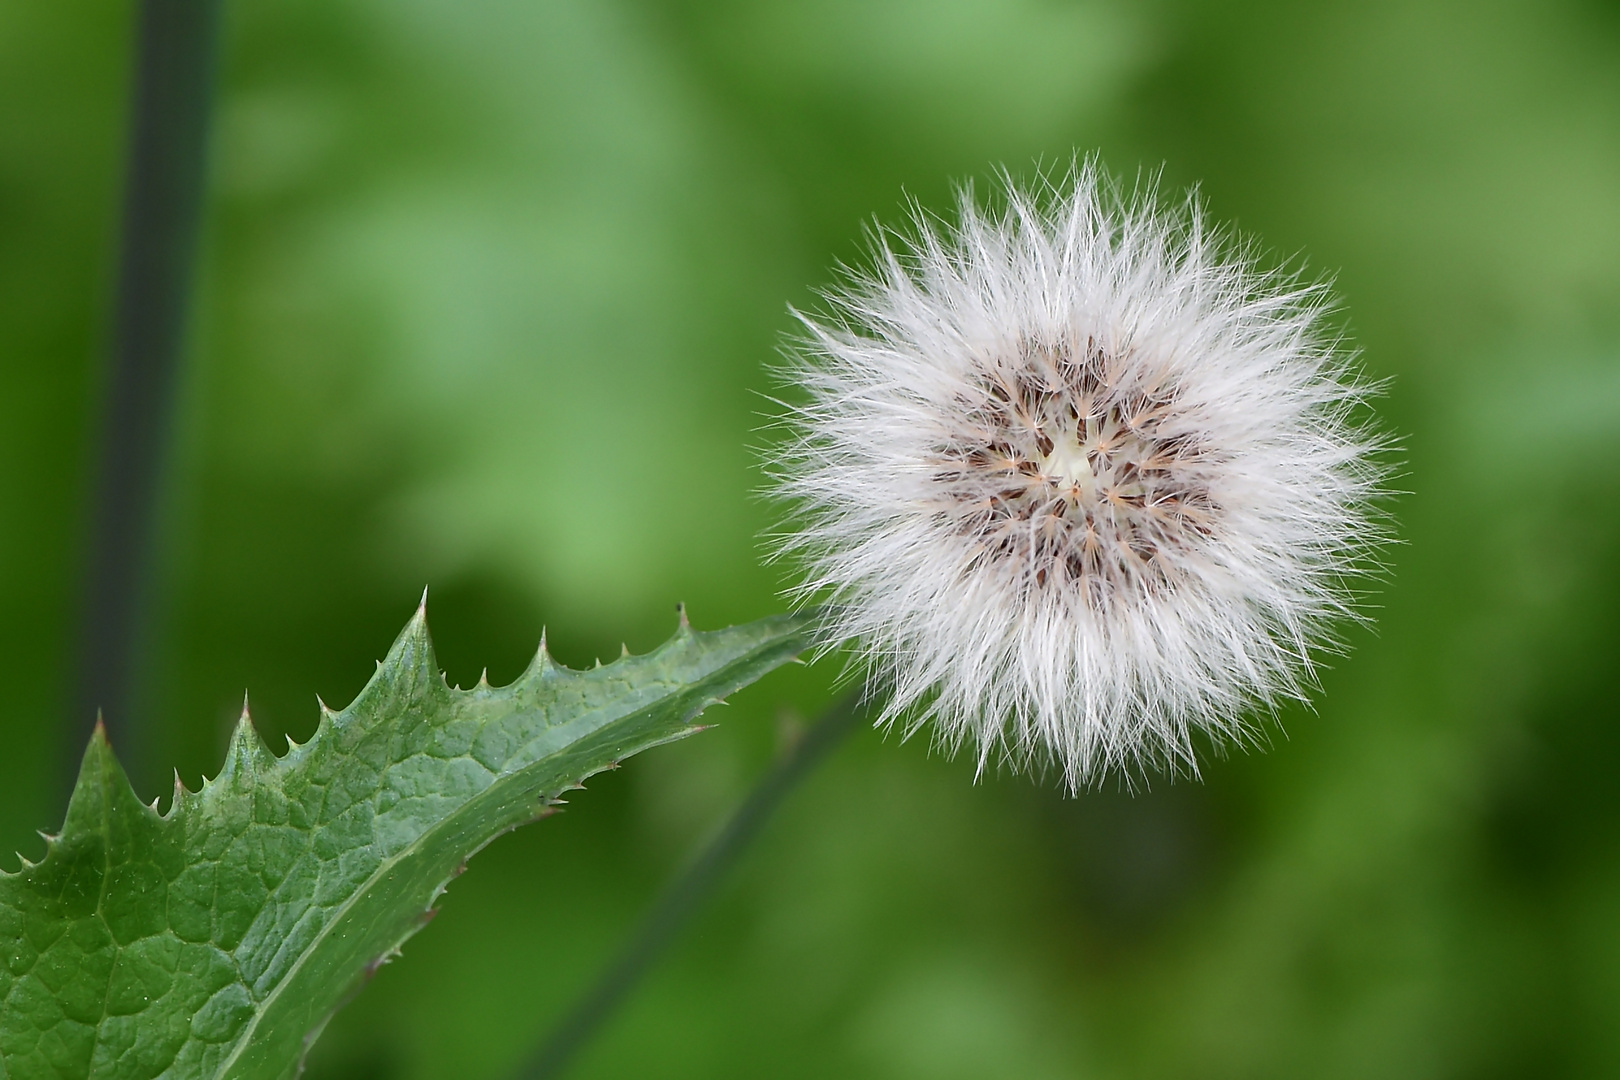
point(177, 42)
point(687, 892)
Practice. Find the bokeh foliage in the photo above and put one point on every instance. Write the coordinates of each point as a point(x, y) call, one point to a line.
point(490, 293)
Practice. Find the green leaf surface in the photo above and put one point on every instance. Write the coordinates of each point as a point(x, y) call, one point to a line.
point(215, 940)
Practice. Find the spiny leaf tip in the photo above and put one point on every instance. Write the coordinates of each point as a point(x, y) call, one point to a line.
point(542, 664)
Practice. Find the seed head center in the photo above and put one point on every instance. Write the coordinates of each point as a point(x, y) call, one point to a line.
point(1069, 463)
point(1075, 479)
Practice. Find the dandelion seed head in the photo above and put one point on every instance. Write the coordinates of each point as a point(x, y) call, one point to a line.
point(1078, 479)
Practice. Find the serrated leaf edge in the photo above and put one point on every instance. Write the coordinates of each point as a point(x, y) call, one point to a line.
point(247, 758)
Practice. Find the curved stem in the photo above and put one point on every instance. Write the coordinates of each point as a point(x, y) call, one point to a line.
point(683, 895)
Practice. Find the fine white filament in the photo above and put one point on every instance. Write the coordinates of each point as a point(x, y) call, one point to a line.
point(1078, 479)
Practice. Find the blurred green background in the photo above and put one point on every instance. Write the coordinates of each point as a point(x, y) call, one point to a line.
point(488, 298)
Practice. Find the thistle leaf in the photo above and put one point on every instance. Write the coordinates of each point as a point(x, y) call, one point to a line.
point(216, 940)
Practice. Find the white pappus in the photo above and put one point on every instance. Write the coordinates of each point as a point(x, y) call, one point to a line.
point(1078, 478)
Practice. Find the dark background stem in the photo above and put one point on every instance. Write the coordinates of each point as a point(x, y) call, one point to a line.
point(684, 894)
point(173, 91)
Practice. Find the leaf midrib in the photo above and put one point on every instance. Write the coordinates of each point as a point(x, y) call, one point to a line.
point(343, 909)
point(101, 900)
point(387, 865)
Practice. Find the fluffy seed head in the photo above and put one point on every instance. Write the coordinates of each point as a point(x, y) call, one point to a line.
point(1078, 478)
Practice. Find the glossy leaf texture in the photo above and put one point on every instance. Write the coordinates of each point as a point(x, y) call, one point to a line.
point(216, 939)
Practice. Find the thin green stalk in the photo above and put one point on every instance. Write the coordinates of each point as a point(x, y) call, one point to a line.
point(686, 892)
point(173, 93)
